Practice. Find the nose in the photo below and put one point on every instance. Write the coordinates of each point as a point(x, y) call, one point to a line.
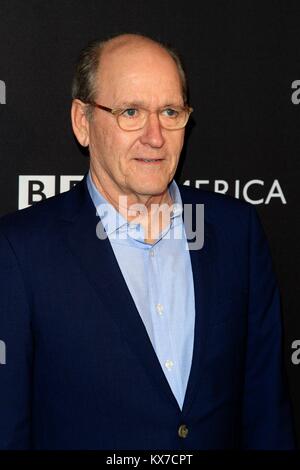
point(152, 132)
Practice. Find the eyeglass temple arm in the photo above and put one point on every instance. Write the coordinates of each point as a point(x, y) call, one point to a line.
point(105, 108)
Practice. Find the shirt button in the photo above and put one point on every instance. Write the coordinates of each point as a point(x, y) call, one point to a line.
point(159, 308)
point(183, 431)
point(151, 252)
point(169, 364)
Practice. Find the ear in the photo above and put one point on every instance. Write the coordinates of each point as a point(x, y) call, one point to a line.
point(80, 123)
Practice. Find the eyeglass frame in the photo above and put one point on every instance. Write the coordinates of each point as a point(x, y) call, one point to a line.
point(115, 111)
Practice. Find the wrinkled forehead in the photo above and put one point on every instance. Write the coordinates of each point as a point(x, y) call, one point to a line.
point(138, 70)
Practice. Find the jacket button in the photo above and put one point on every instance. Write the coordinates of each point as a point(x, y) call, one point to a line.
point(183, 431)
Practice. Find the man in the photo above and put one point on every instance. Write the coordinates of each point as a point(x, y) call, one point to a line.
point(117, 336)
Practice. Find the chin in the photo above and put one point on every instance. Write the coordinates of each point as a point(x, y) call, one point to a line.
point(152, 189)
point(152, 185)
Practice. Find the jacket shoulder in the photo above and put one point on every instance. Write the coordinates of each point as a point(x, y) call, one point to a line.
point(42, 215)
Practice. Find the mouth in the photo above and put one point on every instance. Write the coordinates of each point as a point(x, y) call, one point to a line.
point(149, 161)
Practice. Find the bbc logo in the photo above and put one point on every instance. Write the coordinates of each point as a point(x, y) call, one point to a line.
point(35, 188)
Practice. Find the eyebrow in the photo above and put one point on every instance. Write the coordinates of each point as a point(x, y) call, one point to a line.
point(142, 104)
point(128, 104)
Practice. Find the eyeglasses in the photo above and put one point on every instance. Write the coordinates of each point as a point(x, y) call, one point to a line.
point(132, 119)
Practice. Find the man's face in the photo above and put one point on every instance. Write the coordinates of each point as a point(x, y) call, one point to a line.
point(128, 75)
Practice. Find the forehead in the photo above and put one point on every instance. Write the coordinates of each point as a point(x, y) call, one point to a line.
point(138, 71)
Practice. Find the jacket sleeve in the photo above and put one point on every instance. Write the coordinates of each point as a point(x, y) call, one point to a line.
point(16, 353)
point(267, 422)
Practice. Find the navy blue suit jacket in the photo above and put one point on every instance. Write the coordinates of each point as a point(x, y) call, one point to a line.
point(79, 375)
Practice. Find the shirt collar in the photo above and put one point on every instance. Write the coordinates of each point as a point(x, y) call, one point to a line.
point(112, 219)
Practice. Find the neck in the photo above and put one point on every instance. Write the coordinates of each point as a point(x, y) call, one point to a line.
point(128, 204)
point(151, 211)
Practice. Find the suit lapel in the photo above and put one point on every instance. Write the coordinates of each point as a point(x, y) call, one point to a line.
point(203, 263)
point(99, 265)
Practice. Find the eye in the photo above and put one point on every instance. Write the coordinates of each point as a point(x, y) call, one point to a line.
point(130, 112)
point(170, 112)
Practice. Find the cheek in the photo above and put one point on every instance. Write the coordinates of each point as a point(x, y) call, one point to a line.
point(105, 146)
point(175, 146)
point(117, 143)
point(181, 139)
point(118, 155)
point(98, 142)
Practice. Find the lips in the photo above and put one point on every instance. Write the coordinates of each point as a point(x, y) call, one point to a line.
point(149, 160)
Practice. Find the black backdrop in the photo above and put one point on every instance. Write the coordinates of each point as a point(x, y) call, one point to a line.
point(243, 62)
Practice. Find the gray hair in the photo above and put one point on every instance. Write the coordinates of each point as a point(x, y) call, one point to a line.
point(84, 80)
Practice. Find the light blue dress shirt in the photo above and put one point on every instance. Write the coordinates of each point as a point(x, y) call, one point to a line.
point(159, 278)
